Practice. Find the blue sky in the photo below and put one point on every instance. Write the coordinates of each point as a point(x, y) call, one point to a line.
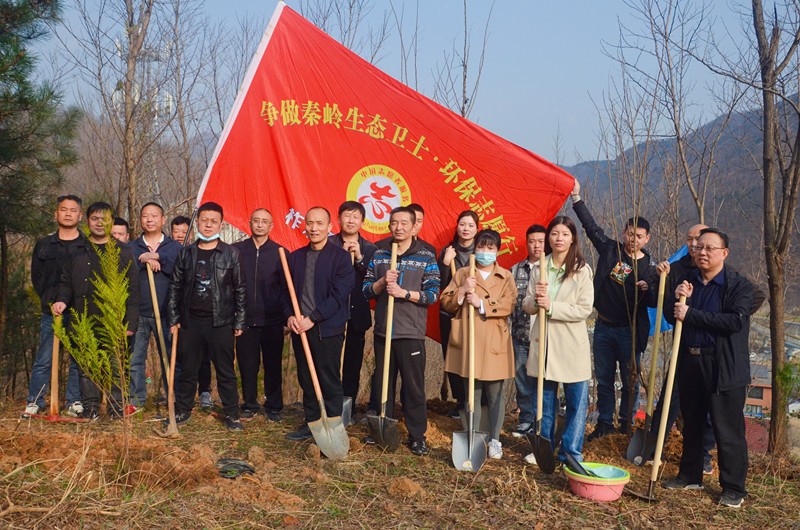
point(544, 71)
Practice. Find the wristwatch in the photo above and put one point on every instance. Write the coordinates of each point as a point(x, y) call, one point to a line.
point(408, 295)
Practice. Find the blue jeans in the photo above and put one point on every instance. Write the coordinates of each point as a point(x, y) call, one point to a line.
point(147, 325)
point(526, 385)
point(577, 398)
point(612, 347)
point(40, 373)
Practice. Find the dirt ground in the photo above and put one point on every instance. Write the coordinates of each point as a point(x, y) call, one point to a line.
point(109, 474)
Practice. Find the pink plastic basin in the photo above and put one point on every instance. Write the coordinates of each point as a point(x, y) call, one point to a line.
point(606, 487)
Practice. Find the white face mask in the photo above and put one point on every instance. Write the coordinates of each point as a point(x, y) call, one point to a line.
point(207, 239)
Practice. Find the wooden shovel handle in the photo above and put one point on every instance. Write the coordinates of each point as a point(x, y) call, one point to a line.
point(156, 311)
point(387, 344)
point(303, 337)
point(542, 346)
point(662, 428)
point(54, 373)
point(651, 380)
point(471, 343)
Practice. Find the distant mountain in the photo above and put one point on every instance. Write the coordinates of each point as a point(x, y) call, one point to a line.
point(733, 202)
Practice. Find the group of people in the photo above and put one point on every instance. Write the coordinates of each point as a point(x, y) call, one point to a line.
point(231, 303)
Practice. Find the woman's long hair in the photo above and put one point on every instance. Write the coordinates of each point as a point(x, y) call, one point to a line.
point(575, 260)
point(465, 213)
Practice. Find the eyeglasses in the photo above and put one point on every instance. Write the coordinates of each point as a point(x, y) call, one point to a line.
point(707, 248)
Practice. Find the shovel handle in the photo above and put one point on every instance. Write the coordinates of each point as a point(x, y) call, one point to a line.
point(54, 374)
point(303, 338)
point(651, 380)
point(173, 426)
point(344, 341)
point(453, 267)
point(471, 344)
point(542, 345)
point(387, 344)
point(156, 311)
point(662, 428)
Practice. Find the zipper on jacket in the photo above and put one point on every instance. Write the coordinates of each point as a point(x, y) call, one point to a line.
point(255, 277)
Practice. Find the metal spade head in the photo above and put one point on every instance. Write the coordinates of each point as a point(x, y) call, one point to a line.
point(384, 431)
point(542, 450)
point(469, 454)
point(347, 411)
point(642, 447)
point(330, 436)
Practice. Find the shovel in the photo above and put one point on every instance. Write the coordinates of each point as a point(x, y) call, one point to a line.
point(172, 426)
point(347, 401)
point(157, 314)
point(643, 441)
point(662, 428)
point(542, 447)
point(469, 447)
point(328, 432)
point(382, 429)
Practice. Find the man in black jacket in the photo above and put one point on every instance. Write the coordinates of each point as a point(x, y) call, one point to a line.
point(351, 217)
point(622, 284)
point(263, 336)
point(47, 263)
point(714, 366)
point(207, 298)
point(323, 278)
point(77, 290)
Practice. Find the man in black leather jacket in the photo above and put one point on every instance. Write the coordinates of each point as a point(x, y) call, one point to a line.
point(207, 299)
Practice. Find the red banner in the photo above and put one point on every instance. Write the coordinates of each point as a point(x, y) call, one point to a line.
point(314, 124)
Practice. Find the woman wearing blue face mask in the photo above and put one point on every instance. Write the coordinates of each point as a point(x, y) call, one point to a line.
point(566, 293)
point(493, 293)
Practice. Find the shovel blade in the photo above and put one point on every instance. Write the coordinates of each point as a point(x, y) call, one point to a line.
point(347, 411)
point(543, 451)
point(330, 436)
point(466, 456)
point(641, 448)
point(384, 431)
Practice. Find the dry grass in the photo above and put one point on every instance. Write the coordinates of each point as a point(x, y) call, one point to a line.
point(67, 476)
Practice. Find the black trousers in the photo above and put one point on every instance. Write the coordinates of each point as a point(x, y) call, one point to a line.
point(196, 338)
point(256, 345)
point(699, 398)
point(674, 409)
point(456, 381)
point(408, 358)
point(204, 374)
point(353, 359)
point(326, 355)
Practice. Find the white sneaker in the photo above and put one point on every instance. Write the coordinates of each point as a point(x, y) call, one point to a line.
point(530, 459)
point(75, 409)
point(30, 410)
point(495, 449)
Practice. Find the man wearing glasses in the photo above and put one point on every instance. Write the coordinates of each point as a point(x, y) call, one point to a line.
point(714, 366)
point(263, 335)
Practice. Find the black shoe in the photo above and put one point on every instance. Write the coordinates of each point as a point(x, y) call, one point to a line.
point(679, 484)
point(419, 448)
point(233, 424)
point(300, 435)
point(369, 440)
point(602, 428)
point(247, 414)
point(91, 414)
point(731, 500)
point(274, 415)
point(180, 418)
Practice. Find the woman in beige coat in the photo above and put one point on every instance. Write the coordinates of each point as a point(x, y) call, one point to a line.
point(567, 295)
point(494, 297)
